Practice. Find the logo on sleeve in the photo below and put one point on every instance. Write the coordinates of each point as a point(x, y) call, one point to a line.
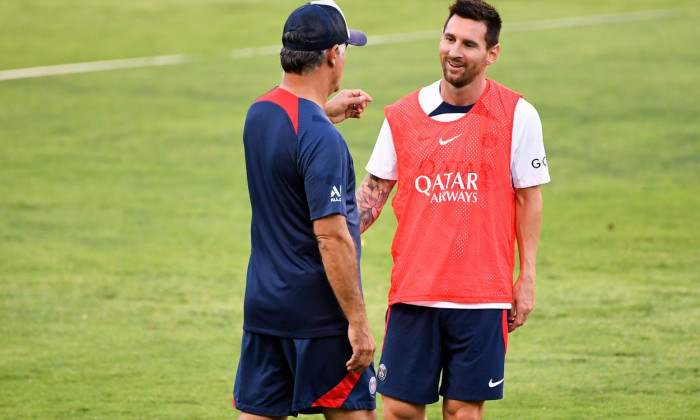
point(538, 163)
point(336, 195)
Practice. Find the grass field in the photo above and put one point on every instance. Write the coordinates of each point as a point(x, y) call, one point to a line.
point(124, 211)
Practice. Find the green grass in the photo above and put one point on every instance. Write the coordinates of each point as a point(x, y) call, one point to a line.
point(124, 214)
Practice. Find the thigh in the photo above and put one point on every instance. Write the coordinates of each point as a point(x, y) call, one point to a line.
point(474, 343)
point(322, 381)
point(264, 383)
point(409, 368)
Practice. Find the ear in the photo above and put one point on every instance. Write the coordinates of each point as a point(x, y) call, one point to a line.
point(332, 54)
point(492, 54)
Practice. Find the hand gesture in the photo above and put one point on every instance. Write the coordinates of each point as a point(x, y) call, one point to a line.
point(347, 104)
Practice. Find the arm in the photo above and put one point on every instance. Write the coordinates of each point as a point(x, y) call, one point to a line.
point(528, 221)
point(371, 197)
point(340, 262)
point(347, 104)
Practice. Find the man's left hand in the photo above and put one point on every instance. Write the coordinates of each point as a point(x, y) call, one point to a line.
point(523, 301)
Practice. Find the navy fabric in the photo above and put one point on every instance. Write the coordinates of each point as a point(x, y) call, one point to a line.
point(321, 26)
point(464, 346)
point(294, 178)
point(279, 377)
point(445, 108)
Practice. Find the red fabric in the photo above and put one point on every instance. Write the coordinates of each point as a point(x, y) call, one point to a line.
point(505, 329)
point(337, 396)
point(454, 202)
point(386, 324)
point(288, 101)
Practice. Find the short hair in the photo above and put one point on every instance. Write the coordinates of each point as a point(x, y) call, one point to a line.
point(299, 62)
point(479, 11)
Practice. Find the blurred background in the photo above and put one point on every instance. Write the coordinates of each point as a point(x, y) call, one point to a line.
point(124, 214)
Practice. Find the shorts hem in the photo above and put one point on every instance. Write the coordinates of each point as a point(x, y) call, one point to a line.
point(409, 399)
point(357, 405)
point(260, 412)
point(474, 397)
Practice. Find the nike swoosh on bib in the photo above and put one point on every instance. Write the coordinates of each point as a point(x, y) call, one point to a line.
point(444, 142)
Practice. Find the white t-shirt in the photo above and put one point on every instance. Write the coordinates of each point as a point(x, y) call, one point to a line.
point(528, 161)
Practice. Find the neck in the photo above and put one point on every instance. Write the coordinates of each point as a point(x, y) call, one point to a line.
point(465, 95)
point(310, 86)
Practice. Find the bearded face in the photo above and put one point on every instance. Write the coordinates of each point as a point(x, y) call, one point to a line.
point(463, 52)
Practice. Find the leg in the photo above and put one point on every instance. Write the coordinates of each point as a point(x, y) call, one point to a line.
point(248, 416)
point(408, 376)
point(340, 414)
point(402, 410)
point(462, 410)
point(474, 363)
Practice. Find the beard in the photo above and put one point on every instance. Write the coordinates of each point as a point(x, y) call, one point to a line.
point(461, 79)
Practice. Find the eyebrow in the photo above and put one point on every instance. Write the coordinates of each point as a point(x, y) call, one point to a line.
point(463, 41)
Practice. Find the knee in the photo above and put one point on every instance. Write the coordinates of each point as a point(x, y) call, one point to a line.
point(394, 409)
point(462, 410)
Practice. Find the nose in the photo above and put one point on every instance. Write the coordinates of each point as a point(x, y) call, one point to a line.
point(454, 50)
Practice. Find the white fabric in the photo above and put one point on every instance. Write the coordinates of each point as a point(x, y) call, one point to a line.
point(332, 4)
point(452, 305)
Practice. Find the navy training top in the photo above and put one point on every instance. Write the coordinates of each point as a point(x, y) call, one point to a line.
point(299, 169)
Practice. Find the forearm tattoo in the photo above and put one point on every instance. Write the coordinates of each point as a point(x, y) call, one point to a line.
point(371, 197)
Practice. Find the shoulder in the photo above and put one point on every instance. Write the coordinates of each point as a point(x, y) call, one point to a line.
point(526, 114)
point(429, 97)
point(525, 108)
point(265, 117)
point(503, 90)
point(268, 104)
point(275, 103)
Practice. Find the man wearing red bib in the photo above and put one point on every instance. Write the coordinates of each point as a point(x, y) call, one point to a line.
point(468, 160)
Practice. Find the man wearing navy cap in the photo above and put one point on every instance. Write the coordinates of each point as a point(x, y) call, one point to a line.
point(306, 346)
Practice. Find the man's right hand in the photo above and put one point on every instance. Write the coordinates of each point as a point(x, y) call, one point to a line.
point(348, 103)
point(363, 347)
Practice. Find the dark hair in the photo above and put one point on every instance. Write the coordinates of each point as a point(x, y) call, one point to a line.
point(299, 62)
point(479, 11)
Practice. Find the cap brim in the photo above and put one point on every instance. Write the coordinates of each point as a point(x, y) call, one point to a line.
point(357, 38)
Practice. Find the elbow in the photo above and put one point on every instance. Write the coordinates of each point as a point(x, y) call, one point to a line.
point(324, 241)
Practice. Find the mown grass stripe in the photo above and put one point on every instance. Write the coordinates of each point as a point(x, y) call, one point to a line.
point(170, 60)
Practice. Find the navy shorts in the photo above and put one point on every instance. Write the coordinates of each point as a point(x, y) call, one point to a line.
point(280, 377)
point(466, 346)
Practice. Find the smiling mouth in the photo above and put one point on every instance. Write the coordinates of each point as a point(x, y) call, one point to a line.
point(454, 65)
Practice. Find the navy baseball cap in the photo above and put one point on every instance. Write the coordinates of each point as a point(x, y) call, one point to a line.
point(323, 25)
